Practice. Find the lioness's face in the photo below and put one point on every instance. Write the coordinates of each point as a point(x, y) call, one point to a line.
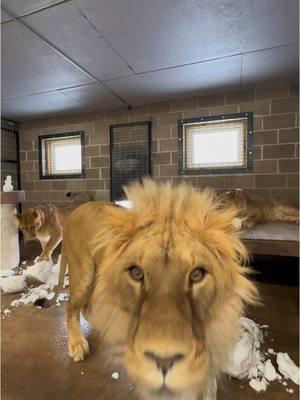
point(169, 284)
point(29, 223)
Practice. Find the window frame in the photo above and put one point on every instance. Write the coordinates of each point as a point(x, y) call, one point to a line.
point(182, 170)
point(81, 175)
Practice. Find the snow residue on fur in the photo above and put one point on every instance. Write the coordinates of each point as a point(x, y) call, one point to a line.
point(249, 361)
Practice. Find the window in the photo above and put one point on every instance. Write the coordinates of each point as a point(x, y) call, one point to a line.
point(130, 155)
point(215, 145)
point(62, 156)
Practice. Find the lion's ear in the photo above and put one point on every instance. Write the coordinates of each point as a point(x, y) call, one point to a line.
point(35, 214)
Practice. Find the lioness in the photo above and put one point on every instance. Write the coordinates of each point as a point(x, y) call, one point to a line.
point(45, 223)
point(254, 210)
point(163, 281)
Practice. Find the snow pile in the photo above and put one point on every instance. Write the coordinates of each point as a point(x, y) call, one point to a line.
point(246, 357)
point(32, 295)
point(45, 272)
point(39, 271)
point(13, 284)
point(248, 361)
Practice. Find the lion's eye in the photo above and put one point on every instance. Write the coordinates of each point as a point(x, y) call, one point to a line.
point(197, 275)
point(136, 273)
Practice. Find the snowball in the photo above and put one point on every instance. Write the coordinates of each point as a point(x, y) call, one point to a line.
point(271, 351)
point(7, 312)
point(258, 384)
point(290, 390)
point(13, 284)
point(115, 375)
point(287, 367)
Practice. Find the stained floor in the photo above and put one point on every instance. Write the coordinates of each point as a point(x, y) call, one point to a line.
point(35, 363)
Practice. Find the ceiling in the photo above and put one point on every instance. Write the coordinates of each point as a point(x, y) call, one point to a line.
point(65, 56)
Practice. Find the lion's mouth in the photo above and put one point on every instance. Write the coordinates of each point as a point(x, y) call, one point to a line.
point(164, 392)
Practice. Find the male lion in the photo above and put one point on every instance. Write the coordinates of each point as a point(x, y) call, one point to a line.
point(163, 281)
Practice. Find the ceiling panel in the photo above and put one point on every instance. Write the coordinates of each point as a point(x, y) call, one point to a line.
point(271, 66)
point(76, 37)
point(29, 66)
point(5, 16)
point(40, 105)
point(21, 7)
point(182, 81)
point(158, 34)
point(93, 96)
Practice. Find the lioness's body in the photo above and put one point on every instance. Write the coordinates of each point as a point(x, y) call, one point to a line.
point(44, 223)
point(130, 273)
point(254, 209)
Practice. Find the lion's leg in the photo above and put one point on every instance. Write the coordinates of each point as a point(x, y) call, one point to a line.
point(81, 276)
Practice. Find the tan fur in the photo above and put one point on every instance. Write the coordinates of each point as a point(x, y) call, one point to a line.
point(254, 210)
point(44, 223)
point(168, 232)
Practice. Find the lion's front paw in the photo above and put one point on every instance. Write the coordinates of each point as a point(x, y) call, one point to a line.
point(43, 257)
point(78, 349)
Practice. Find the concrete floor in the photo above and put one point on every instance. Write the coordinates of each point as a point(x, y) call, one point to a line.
point(35, 363)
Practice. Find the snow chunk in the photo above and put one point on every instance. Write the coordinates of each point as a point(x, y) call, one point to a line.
point(13, 284)
point(246, 359)
point(115, 375)
point(287, 367)
point(269, 371)
point(271, 351)
point(7, 312)
point(7, 272)
point(258, 384)
point(40, 271)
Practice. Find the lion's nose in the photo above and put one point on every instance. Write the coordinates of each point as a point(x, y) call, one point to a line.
point(164, 363)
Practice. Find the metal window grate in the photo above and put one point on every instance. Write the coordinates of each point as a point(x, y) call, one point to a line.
point(216, 144)
point(10, 161)
point(130, 155)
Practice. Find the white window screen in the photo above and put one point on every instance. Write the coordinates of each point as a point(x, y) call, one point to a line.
point(62, 155)
point(215, 144)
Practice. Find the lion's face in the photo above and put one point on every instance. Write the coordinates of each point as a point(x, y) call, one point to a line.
point(172, 302)
point(29, 223)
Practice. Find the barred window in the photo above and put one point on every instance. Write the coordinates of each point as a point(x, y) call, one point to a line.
point(218, 144)
point(62, 156)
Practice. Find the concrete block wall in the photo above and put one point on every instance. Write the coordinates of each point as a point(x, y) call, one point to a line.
point(276, 144)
